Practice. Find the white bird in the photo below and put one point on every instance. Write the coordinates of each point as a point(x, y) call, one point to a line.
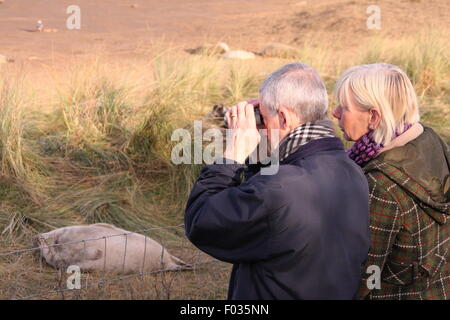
point(40, 26)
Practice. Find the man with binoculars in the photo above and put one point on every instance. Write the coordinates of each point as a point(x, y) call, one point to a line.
point(301, 233)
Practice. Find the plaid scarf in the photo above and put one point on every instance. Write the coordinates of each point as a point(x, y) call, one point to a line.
point(303, 134)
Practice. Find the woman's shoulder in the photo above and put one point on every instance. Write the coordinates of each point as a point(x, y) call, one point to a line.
point(427, 148)
point(387, 181)
point(422, 164)
point(381, 182)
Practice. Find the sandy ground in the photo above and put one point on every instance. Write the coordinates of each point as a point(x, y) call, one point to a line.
point(126, 28)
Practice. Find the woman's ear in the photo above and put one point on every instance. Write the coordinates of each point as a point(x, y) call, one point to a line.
point(374, 118)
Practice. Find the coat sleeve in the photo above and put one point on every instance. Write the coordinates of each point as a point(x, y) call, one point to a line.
point(385, 223)
point(227, 219)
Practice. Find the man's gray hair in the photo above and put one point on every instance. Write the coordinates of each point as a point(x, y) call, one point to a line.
point(298, 87)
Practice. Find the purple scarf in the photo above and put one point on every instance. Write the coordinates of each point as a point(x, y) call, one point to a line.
point(365, 149)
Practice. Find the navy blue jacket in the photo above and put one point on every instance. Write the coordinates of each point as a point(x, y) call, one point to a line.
point(302, 233)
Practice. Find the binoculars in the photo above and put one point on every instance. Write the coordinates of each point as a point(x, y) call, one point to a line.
point(258, 117)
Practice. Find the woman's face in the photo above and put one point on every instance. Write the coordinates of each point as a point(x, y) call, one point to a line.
point(353, 121)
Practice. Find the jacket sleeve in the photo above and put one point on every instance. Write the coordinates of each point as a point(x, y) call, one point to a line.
point(385, 223)
point(227, 219)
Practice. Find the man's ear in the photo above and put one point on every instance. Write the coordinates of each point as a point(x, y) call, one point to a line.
point(283, 118)
point(288, 119)
point(374, 118)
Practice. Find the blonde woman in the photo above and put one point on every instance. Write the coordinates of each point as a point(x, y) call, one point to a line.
point(407, 168)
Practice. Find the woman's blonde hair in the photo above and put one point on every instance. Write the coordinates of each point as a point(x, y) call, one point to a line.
point(382, 86)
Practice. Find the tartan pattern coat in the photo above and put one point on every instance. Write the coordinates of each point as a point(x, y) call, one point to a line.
point(409, 221)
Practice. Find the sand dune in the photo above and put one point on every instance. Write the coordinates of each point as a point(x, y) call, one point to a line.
point(124, 27)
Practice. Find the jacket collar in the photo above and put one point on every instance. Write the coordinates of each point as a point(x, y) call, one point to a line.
point(324, 144)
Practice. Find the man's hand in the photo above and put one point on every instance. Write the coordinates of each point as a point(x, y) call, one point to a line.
point(244, 136)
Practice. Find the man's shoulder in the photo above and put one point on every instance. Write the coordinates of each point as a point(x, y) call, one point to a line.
point(285, 174)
